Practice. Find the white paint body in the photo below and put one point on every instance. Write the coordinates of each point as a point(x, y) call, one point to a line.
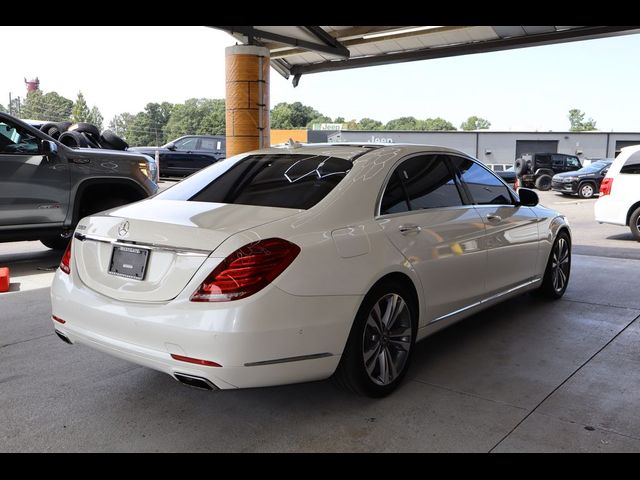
point(459, 263)
point(616, 207)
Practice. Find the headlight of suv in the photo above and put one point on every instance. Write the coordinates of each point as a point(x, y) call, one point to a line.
point(569, 179)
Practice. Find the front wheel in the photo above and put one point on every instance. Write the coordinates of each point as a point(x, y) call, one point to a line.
point(379, 348)
point(556, 275)
point(634, 224)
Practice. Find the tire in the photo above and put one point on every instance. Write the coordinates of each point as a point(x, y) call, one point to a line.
point(553, 283)
point(91, 140)
point(52, 130)
point(63, 126)
point(520, 167)
point(634, 224)
point(85, 128)
point(115, 142)
point(56, 243)
point(352, 372)
point(543, 182)
point(587, 190)
point(73, 140)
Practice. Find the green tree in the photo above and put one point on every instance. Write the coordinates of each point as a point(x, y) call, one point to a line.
point(339, 120)
point(120, 123)
point(402, 123)
point(475, 123)
point(293, 115)
point(49, 106)
point(95, 117)
point(318, 119)
point(578, 123)
point(369, 124)
point(2, 109)
point(197, 116)
point(435, 124)
point(81, 111)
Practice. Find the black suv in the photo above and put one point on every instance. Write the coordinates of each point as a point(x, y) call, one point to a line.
point(584, 182)
point(47, 187)
point(540, 169)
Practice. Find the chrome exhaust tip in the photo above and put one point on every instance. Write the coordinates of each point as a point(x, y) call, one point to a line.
point(64, 338)
point(193, 381)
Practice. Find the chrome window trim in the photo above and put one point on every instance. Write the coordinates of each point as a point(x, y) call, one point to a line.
point(191, 252)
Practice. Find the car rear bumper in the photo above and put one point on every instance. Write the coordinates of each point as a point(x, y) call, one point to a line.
point(274, 339)
point(608, 210)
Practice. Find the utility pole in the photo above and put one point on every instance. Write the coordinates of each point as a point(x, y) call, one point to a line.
point(10, 106)
point(19, 106)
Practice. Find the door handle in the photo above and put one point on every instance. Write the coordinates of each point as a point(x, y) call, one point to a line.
point(409, 228)
point(494, 218)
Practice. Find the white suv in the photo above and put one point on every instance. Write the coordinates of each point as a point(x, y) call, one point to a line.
point(619, 201)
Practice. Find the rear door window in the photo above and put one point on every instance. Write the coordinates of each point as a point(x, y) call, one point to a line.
point(429, 182)
point(485, 188)
point(286, 181)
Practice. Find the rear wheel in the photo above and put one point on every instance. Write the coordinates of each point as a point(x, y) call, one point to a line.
point(634, 224)
point(379, 348)
point(543, 182)
point(556, 275)
point(586, 190)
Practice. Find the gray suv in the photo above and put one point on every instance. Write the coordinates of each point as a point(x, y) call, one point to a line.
point(46, 187)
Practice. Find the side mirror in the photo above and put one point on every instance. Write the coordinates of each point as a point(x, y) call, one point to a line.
point(528, 198)
point(49, 147)
point(171, 146)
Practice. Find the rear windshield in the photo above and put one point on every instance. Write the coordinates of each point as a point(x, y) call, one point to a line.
point(276, 180)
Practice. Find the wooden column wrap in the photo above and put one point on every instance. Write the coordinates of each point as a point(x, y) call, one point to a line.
point(247, 98)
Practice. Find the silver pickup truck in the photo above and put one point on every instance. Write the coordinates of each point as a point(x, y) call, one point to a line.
point(47, 187)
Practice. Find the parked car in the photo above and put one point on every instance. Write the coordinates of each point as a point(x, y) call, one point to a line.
point(47, 187)
point(187, 154)
point(539, 170)
point(291, 265)
point(619, 201)
point(508, 175)
point(584, 182)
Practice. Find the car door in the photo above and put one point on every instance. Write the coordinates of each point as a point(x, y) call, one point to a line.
point(208, 152)
point(34, 188)
point(511, 236)
point(424, 214)
point(179, 161)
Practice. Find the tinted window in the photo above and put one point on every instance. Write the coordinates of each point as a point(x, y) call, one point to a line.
point(209, 144)
point(485, 188)
point(16, 140)
point(394, 199)
point(287, 181)
point(186, 144)
point(573, 162)
point(429, 182)
point(632, 164)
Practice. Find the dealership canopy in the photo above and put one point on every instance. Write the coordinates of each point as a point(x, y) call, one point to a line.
point(297, 51)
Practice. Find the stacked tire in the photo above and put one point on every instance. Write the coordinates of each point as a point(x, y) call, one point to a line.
point(83, 135)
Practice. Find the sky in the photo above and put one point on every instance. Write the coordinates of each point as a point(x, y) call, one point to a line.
point(121, 69)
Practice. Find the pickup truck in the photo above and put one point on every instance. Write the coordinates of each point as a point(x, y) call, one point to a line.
point(47, 187)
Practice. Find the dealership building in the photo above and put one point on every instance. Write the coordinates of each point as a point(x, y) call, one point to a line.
point(503, 147)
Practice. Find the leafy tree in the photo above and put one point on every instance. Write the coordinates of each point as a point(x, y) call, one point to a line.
point(578, 123)
point(197, 116)
point(96, 117)
point(293, 115)
point(475, 123)
point(402, 123)
point(351, 125)
point(435, 124)
point(369, 124)
point(81, 111)
point(318, 119)
point(120, 123)
point(2, 109)
point(339, 120)
point(49, 106)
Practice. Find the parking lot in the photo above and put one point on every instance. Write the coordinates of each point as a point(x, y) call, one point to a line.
point(526, 375)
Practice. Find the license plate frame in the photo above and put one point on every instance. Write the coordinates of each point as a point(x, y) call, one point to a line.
point(129, 261)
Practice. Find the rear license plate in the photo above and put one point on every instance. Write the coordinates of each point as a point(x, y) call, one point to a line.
point(130, 262)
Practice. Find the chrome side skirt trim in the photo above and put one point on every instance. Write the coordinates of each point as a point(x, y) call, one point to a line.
point(191, 252)
point(488, 299)
point(289, 359)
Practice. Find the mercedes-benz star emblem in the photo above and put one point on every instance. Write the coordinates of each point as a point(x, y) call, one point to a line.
point(123, 229)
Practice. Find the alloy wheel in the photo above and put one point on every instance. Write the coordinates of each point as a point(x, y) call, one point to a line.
point(586, 191)
point(560, 265)
point(387, 339)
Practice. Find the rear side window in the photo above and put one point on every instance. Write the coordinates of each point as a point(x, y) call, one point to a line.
point(394, 199)
point(429, 182)
point(632, 164)
point(485, 188)
point(286, 181)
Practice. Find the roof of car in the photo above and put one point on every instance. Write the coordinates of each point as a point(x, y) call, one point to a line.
point(350, 150)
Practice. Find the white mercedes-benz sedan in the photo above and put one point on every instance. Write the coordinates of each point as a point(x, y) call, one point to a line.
point(294, 264)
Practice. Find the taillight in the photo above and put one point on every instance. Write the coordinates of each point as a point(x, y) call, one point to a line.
point(65, 263)
point(516, 184)
point(247, 271)
point(605, 186)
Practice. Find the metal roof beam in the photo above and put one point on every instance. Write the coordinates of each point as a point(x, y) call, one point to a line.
point(251, 32)
point(329, 40)
point(584, 33)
